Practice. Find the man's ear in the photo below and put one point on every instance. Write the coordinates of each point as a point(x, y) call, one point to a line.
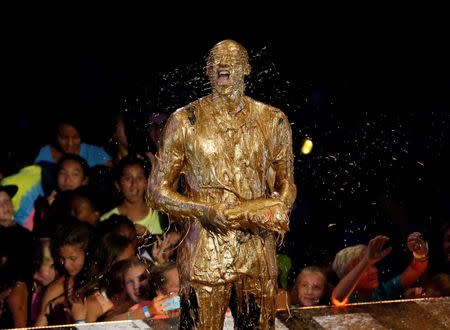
point(208, 70)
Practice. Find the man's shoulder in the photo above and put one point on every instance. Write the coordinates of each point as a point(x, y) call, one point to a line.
point(265, 108)
point(267, 112)
point(188, 112)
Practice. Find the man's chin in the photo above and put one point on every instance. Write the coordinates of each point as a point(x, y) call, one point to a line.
point(226, 89)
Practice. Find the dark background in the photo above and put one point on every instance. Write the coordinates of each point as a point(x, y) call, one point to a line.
point(371, 92)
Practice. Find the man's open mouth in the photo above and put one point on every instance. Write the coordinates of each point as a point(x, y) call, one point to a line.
point(222, 78)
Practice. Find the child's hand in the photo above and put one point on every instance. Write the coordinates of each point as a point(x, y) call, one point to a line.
point(417, 245)
point(375, 250)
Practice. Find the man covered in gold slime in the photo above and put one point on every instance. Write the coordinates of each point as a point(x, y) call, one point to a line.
point(233, 156)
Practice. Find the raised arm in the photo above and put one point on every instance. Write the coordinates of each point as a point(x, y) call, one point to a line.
point(348, 283)
point(419, 264)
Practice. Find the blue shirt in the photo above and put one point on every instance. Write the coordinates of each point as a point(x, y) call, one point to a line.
point(94, 155)
point(389, 290)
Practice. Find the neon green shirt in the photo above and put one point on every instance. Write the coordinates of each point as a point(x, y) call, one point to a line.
point(152, 220)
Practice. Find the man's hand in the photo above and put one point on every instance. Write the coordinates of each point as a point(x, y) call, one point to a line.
point(269, 214)
point(213, 219)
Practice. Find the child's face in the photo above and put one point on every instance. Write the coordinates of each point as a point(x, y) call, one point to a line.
point(368, 279)
point(82, 209)
point(69, 139)
point(310, 288)
point(71, 175)
point(45, 275)
point(72, 258)
point(133, 183)
point(136, 283)
point(6, 206)
point(172, 284)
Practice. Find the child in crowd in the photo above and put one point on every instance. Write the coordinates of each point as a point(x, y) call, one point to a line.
point(132, 179)
point(355, 266)
point(61, 304)
point(67, 140)
point(311, 287)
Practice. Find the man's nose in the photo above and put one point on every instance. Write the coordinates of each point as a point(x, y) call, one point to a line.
point(224, 59)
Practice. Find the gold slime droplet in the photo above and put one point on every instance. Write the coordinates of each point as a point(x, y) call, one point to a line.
point(307, 146)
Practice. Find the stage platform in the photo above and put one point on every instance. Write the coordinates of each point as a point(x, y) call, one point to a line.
point(421, 314)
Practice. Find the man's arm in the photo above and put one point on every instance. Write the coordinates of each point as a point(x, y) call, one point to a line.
point(271, 213)
point(169, 163)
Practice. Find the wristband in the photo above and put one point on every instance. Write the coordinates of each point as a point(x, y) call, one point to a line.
point(146, 312)
point(420, 259)
point(80, 322)
point(129, 315)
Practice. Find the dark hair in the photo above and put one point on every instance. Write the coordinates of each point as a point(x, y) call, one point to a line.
point(88, 194)
point(110, 246)
point(77, 158)
point(80, 234)
point(65, 119)
point(132, 159)
point(114, 285)
point(115, 223)
point(438, 259)
point(115, 279)
point(439, 282)
point(158, 276)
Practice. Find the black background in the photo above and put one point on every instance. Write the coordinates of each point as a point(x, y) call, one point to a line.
point(371, 89)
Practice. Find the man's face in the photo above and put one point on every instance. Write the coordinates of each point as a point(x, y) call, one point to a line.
point(226, 68)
